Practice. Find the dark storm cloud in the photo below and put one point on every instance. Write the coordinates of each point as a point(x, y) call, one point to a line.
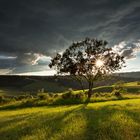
point(31, 29)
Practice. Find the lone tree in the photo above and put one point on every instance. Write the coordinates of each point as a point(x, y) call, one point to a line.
point(88, 60)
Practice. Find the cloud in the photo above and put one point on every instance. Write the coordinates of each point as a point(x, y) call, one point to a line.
point(28, 58)
point(6, 57)
point(33, 31)
point(44, 60)
point(5, 71)
point(128, 49)
point(40, 73)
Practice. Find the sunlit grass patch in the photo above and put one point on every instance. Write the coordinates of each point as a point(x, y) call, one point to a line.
point(117, 120)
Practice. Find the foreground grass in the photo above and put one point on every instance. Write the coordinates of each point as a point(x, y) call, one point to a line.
point(113, 120)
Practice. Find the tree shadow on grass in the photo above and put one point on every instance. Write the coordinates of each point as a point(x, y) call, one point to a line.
point(11, 127)
point(27, 125)
point(110, 122)
point(20, 105)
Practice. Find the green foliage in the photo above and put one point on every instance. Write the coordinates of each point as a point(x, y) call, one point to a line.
point(43, 96)
point(55, 95)
point(78, 95)
point(22, 97)
point(88, 59)
point(80, 58)
point(67, 95)
point(119, 88)
point(117, 93)
point(6, 100)
point(1, 97)
point(71, 98)
point(101, 94)
point(138, 83)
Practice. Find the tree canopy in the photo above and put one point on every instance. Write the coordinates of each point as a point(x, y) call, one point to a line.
point(89, 59)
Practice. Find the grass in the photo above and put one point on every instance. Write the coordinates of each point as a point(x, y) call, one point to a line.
point(106, 117)
point(131, 87)
point(72, 99)
point(112, 120)
point(132, 84)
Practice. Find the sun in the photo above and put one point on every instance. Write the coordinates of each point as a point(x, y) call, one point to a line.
point(99, 63)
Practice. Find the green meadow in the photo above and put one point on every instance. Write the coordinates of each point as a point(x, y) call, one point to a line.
point(67, 115)
point(111, 120)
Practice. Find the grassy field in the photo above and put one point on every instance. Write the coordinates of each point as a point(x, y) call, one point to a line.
point(106, 117)
point(131, 87)
point(112, 120)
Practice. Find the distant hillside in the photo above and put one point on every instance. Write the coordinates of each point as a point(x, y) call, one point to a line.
point(130, 74)
point(33, 84)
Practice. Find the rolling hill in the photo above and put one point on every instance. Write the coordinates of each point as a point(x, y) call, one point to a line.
point(14, 85)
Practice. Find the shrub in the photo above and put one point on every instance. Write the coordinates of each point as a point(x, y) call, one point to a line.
point(41, 90)
point(51, 95)
point(1, 98)
point(79, 95)
point(108, 94)
point(16, 98)
point(55, 95)
point(29, 103)
point(21, 97)
point(117, 93)
point(4, 100)
point(119, 89)
point(43, 96)
point(96, 94)
point(67, 95)
point(138, 83)
point(71, 95)
point(70, 98)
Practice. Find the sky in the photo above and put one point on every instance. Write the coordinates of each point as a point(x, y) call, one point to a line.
point(33, 31)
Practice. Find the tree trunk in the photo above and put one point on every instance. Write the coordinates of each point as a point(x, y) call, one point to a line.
point(90, 90)
point(89, 93)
